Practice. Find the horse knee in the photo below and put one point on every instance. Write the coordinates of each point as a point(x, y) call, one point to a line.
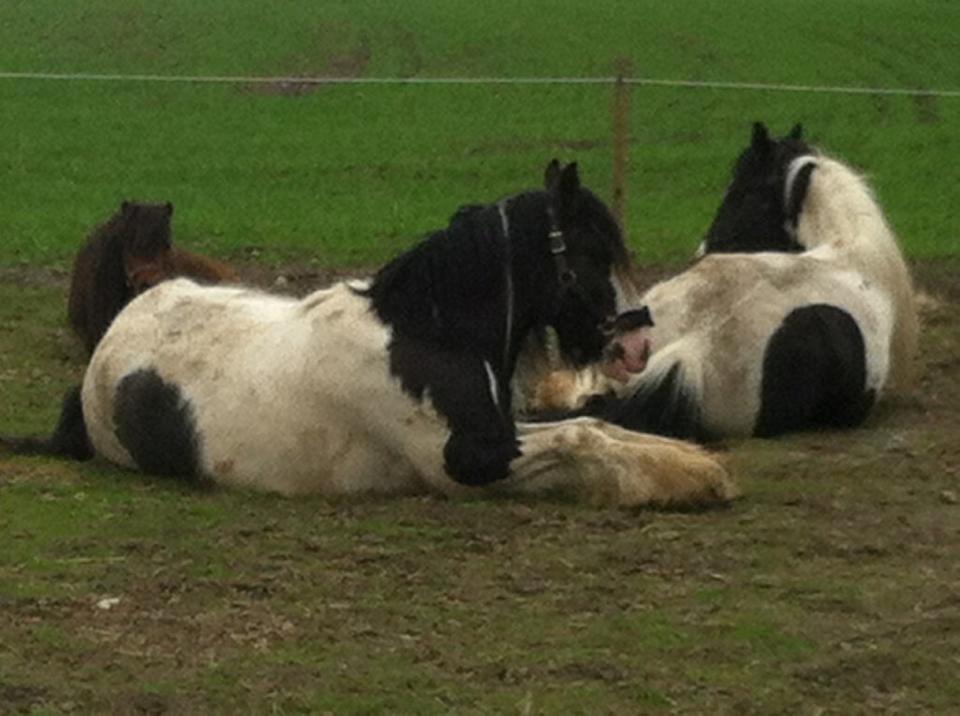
point(474, 459)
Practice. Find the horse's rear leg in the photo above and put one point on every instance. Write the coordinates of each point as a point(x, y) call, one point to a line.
point(69, 438)
point(602, 463)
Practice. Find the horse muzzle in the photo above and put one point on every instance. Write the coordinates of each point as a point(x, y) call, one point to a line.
point(628, 350)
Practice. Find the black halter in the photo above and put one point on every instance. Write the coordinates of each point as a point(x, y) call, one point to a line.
point(558, 247)
point(567, 278)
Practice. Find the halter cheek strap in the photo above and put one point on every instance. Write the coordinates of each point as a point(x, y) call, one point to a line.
point(558, 248)
point(795, 189)
point(567, 280)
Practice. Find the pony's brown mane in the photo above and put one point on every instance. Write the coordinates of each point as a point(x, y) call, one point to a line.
point(101, 285)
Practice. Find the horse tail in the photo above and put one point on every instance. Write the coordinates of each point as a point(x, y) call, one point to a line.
point(69, 438)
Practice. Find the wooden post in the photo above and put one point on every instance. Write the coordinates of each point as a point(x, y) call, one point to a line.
point(621, 137)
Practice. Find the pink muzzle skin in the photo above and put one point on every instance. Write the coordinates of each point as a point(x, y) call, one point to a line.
point(627, 354)
point(629, 350)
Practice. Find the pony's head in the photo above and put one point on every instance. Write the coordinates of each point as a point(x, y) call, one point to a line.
point(586, 256)
point(145, 243)
point(536, 259)
point(760, 208)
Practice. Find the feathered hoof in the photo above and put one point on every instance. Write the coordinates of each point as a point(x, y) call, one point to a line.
point(663, 472)
point(678, 476)
point(603, 464)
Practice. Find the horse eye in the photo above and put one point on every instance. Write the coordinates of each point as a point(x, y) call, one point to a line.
point(608, 326)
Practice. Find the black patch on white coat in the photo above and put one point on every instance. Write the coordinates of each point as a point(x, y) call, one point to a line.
point(814, 373)
point(483, 440)
point(156, 425)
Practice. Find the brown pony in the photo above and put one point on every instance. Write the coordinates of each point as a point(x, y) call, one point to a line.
point(129, 253)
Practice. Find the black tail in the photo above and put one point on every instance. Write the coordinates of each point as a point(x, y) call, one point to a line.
point(69, 438)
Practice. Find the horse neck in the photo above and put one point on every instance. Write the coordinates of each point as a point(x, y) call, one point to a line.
point(453, 290)
point(841, 218)
point(842, 222)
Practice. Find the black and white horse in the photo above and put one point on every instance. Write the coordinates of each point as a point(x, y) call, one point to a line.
point(798, 314)
point(400, 384)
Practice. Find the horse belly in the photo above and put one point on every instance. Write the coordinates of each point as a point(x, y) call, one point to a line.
point(323, 458)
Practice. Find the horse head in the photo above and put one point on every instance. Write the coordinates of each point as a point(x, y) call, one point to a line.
point(760, 207)
point(588, 256)
point(145, 243)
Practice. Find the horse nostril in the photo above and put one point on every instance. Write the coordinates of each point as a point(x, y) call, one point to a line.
point(614, 351)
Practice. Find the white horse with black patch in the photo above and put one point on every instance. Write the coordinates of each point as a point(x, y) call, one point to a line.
point(401, 384)
point(799, 313)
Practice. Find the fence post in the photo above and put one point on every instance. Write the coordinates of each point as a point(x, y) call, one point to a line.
point(621, 137)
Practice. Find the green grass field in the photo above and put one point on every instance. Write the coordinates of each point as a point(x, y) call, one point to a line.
point(348, 175)
point(832, 587)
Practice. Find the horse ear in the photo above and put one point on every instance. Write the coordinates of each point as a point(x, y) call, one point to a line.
point(125, 207)
point(169, 207)
point(761, 137)
point(551, 175)
point(796, 132)
point(569, 181)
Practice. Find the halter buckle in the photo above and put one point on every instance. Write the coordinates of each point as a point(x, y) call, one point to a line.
point(558, 247)
point(557, 244)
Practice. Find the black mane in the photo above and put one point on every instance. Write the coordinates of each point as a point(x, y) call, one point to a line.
point(448, 289)
point(755, 215)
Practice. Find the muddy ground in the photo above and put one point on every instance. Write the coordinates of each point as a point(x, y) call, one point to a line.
point(832, 586)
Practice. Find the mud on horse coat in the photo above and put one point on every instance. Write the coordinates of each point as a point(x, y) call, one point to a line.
point(396, 385)
point(129, 253)
point(799, 314)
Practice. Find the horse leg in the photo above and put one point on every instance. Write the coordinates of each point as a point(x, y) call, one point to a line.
point(604, 464)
